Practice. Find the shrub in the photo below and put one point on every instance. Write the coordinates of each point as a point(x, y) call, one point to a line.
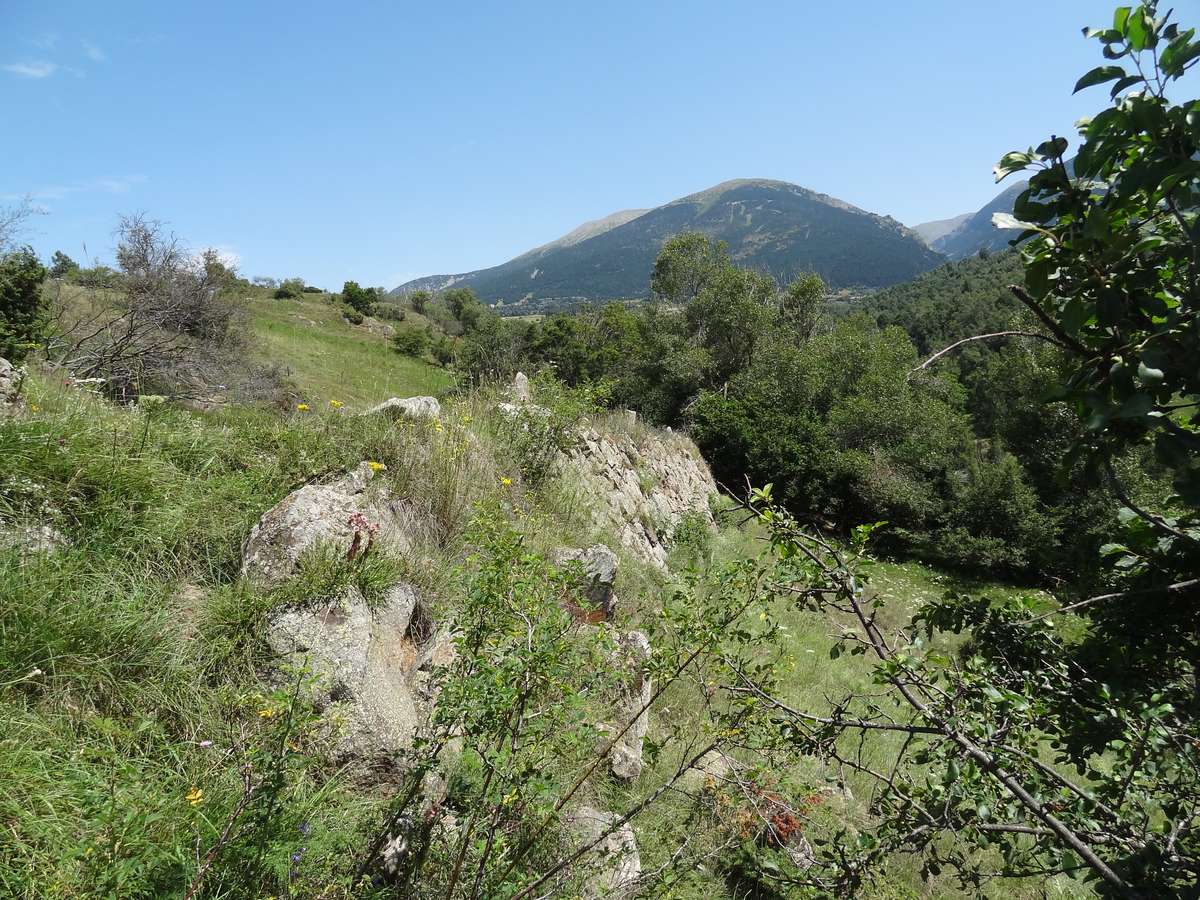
point(390, 312)
point(411, 342)
point(351, 315)
point(359, 298)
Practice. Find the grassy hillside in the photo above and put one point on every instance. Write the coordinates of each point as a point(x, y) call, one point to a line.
point(130, 662)
point(132, 689)
point(329, 359)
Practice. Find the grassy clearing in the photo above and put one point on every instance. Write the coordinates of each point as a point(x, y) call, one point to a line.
point(329, 359)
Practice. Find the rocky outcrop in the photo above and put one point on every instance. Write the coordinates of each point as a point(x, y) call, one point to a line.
point(520, 390)
point(413, 407)
point(363, 662)
point(10, 386)
point(599, 566)
point(369, 663)
point(615, 864)
point(332, 513)
point(643, 486)
point(626, 761)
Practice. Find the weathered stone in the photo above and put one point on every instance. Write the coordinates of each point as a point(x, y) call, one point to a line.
point(626, 760)
point(32, 540)
point(800, 852)
point(616, 863)
point(599, 567)
point(711, 771)
point(322, 513)
point(10, 385)
point(362, 661)
point(520, 390)
point(643, 486)
point(413, 407)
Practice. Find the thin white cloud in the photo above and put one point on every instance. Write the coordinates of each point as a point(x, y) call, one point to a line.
point(118, 184)
point(94, 53)
point(45, 41)
point(37, 69)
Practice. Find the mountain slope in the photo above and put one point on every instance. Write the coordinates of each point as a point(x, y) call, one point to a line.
point(931, 231)
point(977, 232)
point(772, 226)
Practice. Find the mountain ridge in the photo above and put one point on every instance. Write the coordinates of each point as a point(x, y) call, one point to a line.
point(774, 226)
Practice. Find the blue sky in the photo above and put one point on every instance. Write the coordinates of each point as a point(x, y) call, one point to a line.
point(384, 140)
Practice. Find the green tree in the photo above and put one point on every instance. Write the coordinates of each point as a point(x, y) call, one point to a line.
point(685, 265)
point(802, 304)
point(1062, 740)
point(411, 341)
point(361, 300)
point(21, 313)
point(418, 300)
point(62, 265)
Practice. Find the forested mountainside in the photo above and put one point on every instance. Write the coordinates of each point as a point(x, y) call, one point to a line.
point(953, 301)
point(770, 226)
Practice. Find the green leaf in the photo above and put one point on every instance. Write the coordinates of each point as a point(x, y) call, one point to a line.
point(1099, 75)
point(1135, 407)
point(1148, 374)
point(1120, 17)
point(1127, 82)
point(1140, 32)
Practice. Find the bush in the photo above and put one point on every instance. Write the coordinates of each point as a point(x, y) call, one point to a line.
point(351, 315)
point(390, 312)
point(21, 321)
point(359, 298)
point(290, 289)
point(411, 342)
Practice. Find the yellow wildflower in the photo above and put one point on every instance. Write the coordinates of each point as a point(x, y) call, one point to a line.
point(507, 482)
point(376, 466)
point(33, 407)
point(336, 404)
point(195, 796)
point(301, 407)
point(266, 713)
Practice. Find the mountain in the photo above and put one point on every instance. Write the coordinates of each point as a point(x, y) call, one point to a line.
point(931, 231)
point(975, 231)
point(771, 226)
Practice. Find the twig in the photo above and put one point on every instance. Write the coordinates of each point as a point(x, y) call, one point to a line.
point(985, 337)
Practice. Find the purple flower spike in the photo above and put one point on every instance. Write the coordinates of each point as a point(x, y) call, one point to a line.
point(204, 745)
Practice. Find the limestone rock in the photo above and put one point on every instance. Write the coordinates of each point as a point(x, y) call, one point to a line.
point(32, 540)
point(363, 662)
point(626, 760)
point(10, 385)
point(600, 568)
point(711, 771)
point(321, 513)
point(617, 865)
point(520, 390)
point(413, 407)
point(643, 486)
